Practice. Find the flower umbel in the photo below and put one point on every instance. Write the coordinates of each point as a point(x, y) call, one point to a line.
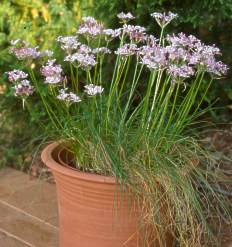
point(68, 43)
point(16, 75)
point(22, 50)
point(68, 98)
point(90, 27)
point(125, 17)
point(52, 72)
point(92, 89)
point(23, 89)
point(164, 19)
point(127, 50)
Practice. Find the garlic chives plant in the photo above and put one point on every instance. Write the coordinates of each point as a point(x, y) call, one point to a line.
point(125, 112)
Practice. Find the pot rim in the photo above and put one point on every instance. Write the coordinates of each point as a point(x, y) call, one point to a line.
point(49, 161)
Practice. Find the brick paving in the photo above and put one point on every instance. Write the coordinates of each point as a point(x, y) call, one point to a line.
point(28, 211)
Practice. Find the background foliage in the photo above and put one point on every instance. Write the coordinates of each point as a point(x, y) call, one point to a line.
point(40, 21)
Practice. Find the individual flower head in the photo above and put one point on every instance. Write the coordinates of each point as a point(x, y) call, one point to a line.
point(90, 27)
point(68, 43)
point(125, 17)
point(23, 89)
point(85, 61)
point(177, 54)
point(155, 58)
point(145, 50)
point(151, 40)
point(22, 50)
point(25, 52)
point(135, 33)
point(181, 71)
point(164, 19)
point(112, 33)
point(84, 49)
point(127, 50)
point(216, 69)
point(68, 98)
point(52, 72)
point(92, 89)
point(101, 50)
point(183, 40)
point(16, 75)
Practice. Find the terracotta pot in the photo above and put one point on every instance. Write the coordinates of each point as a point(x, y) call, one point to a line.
point(93, 210)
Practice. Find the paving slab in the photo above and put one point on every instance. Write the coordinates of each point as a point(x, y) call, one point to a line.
point(28, 211)
point(10, 241)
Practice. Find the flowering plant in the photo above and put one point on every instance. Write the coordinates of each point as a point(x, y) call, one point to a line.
point(130, 120)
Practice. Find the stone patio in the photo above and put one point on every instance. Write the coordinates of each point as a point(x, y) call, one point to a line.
point(28, 211)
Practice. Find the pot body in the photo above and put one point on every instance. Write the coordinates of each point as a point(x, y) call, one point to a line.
point(93, 210)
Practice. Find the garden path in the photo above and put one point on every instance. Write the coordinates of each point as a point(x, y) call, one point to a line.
point(28, 211)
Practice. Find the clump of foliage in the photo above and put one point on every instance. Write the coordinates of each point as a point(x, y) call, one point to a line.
point(136, 122)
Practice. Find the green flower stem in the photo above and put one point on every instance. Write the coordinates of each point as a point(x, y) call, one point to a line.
point(77, 82)
point(49, 111)
point(158, 82)
point(173, 108)
point(161, 40)
point(89, 78)
point(163, 112)
point(192, 101)
point(74, 86)
point(124, 79)
point(161, 107)
point(187, 104)
point(147, 96)
point(97, 59)
point(133, 87)
point(113, 89)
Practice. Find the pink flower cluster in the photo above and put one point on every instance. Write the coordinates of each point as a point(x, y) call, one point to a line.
point(52, 72)
point(112, 33)
point(90, 27)
point(101, 50)
point(15, 75)
point(164, 19)
point(23, 88)
point(83, 57)
point(125, 17)
point(25, 52)
point(68, 98)
point(135, 33)
point(22, 50)
point(68, 43)
point(127, 50)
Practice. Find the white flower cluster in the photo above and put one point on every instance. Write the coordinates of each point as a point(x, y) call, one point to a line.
point(125, 17)
point(23, 89)
point(68, 97)
point(92, 89)
point(68, 43)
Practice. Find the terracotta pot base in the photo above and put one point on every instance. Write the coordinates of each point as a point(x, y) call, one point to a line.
point(93, 210)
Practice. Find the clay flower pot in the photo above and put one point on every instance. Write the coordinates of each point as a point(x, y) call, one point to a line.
point(93, 210)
